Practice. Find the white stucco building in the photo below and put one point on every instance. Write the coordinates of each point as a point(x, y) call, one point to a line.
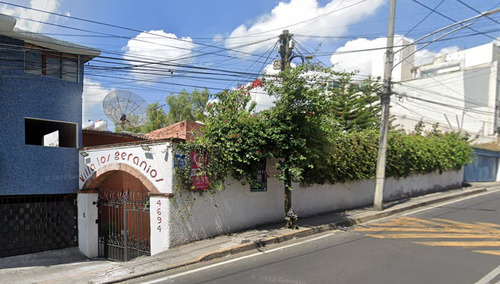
point(458, 90)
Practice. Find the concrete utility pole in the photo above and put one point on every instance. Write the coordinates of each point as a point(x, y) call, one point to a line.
point(285, 51)
point(385, 102)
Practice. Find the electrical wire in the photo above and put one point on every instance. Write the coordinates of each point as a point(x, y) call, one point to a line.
point(451, 19)
point(477, 11)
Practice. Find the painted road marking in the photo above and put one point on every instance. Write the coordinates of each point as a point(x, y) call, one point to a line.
point(490, 277)
point(439, 232)
point(434, 236)
point(191, 271)
point(460, 244)
point(493, 252)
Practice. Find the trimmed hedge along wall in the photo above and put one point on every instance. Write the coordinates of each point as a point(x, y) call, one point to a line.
point(354, 156)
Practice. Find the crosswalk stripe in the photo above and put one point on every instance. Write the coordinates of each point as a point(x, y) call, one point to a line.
point(429, 230)
point(461, 244)
point(443, 231)
point(436, 236)
point(422, 221)
point(467, 225)
point(493, 252)
point(489, 225)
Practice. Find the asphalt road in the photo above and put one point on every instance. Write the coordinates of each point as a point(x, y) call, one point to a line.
point(457, 242)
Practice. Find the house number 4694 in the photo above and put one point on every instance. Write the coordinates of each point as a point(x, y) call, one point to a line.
point(158, 216)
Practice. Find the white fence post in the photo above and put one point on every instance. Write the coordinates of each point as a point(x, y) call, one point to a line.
point(87, 222)
point(159, 218)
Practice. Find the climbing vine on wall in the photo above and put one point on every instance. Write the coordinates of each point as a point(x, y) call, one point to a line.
point(309, 135)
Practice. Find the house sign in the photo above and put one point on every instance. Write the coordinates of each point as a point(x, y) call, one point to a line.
point(152, 164)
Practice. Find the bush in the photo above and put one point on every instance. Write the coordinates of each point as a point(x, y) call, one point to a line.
point(353, 156)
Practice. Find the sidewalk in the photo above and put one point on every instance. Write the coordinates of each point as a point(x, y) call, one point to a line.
point(69, 266)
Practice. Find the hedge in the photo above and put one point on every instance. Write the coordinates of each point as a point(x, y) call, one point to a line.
point(353, 156)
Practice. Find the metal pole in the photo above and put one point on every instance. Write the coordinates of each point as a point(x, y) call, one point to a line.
point(384, 123)
point(125, 229)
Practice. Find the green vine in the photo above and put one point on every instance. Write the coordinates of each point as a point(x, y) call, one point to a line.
point(318, 132)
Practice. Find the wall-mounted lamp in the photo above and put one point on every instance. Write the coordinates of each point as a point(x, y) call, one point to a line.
point(145, 148)
point(84, 154)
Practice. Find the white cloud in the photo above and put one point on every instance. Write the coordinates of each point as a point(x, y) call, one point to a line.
point(370, 62)
point(165, 50)
point(93, 94)
point(218, 38)
point(25, 15)
point(298, 16)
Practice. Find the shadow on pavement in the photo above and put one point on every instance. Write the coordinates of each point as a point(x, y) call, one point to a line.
point(46, 258)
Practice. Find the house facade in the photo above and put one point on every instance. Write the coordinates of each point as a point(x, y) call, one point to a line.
point(41, 85)
point(123, 177)
point(459, 91)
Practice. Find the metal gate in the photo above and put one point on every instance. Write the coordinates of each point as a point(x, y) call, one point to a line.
point(484, 168)
point(124, 229)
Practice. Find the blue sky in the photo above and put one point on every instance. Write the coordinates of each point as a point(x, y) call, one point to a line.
point(219, 44)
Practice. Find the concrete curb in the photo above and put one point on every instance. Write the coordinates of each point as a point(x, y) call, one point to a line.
point(300, 233)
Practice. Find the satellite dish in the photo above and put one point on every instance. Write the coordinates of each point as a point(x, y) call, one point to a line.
point(125, 108)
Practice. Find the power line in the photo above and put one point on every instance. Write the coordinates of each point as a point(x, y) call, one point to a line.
point(425, 18)
point(108, 25)
point(477, 11)
point(451, 19)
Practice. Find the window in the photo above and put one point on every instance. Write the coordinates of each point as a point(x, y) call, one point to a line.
point(50, 133)
point(33, 62)
point(39, 61)
point(53, 65)
point(69, 68)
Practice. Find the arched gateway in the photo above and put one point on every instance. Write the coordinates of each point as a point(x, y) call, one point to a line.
point(122, 180)
point(119, 174)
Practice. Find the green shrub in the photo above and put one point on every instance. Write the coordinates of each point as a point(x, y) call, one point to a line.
point(353, 156)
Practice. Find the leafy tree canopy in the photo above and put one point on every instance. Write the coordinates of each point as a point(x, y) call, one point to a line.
point(296, 131)
point(322, 128)
point(355, 105)
point(156, 119)
point(184, 106)
point(187, 106)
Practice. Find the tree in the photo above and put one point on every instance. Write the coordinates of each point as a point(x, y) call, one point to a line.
point(296, 132)
point(156, 119)
point(355, 106)
point(187, 106)
point(233, 141)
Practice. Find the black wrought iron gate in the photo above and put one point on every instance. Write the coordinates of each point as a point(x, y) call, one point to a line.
point(124, 228)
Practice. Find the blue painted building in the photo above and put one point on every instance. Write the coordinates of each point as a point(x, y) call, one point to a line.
point(41, 85)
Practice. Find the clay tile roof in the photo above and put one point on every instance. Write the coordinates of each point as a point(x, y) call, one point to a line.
point(181, 130)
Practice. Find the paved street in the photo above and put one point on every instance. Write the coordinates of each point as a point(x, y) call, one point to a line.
point(458, 242)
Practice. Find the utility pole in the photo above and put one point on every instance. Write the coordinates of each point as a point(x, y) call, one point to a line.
point(385, 99)
point(285, 51)
point(384, 123)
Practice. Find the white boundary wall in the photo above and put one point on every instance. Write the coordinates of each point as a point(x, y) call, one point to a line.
point(178, 220)
point(236, 208)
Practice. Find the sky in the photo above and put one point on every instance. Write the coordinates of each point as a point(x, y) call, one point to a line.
point(156, 48)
